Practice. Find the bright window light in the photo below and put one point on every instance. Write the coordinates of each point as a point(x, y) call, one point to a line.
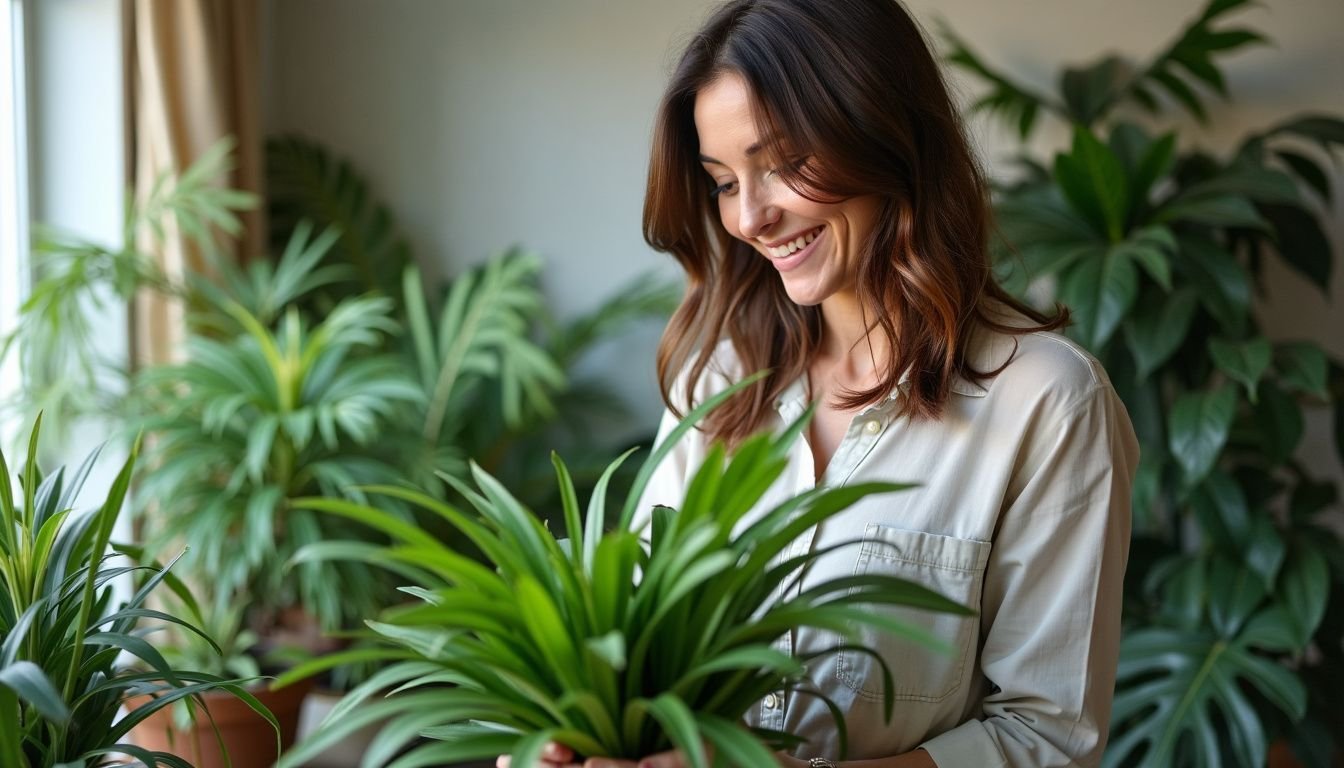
point(13, 184)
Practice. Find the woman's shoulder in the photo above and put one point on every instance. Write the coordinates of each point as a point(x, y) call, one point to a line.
point(722, 370)
point(1035, 365)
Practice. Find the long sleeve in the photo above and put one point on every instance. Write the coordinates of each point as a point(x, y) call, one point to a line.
point(1052, 597)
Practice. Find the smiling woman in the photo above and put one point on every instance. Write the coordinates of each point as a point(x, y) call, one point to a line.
point(811, 176)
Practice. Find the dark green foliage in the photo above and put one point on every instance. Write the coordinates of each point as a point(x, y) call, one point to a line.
point(1158, 250)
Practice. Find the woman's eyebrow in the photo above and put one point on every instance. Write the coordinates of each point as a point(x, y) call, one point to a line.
point(752, 150)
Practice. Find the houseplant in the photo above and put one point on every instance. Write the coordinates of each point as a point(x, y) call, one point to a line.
point(595, 640)
point(1233, 625)
point(499, 372)
point(259, 399)
point(61, 681)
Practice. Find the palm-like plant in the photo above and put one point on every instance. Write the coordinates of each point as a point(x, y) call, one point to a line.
point(60, 635)
point(597, 641)
point(1157, 251)
point(76, 377)
point(261, 416)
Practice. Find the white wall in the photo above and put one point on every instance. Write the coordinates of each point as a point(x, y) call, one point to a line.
point(489, 122)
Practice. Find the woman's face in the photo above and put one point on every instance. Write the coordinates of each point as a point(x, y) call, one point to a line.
point(815, 246)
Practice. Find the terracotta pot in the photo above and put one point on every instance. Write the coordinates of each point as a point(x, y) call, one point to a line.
point(248, 738)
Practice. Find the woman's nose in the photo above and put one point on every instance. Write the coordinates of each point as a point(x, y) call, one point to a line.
point(757, 214)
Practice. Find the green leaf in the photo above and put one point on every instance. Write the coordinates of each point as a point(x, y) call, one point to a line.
point(1278, 418)
point(733, 742)
point(30, 684)
point(1156, 330)
point(1212, 210)
point(1006, 99)
point(1254, 183)
point(1245, 362)
point(1307, 170)
point(1094, 182)
point(1198, 427)
point(1325, 130)
point(1151, 247)
point(1303, 366)
point(1100, 292)
point(680, 725)
point(1302, 243)
point(1223, 513)
point(1304, 588)
point(1223, 285)
point(1156, 163)
point(1089, 92)
point(1173, 687)
point(1234, 593)
point(307, 182)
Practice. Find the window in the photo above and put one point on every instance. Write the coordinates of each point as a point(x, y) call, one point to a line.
point(13, 183)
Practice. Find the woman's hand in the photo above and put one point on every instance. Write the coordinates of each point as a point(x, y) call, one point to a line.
point(559, 756)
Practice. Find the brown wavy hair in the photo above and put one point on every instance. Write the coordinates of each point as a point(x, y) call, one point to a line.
point(852, 86)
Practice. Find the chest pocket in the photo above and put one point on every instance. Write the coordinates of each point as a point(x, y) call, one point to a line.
point(952, 567)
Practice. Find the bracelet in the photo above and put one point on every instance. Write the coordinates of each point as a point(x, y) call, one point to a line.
point(821, 762)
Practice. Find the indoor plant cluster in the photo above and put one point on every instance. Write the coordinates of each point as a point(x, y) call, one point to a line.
point(301, 377)
point(620, 642)
point(1235, 613)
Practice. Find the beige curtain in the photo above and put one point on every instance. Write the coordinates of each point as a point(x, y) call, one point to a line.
point(193, 68)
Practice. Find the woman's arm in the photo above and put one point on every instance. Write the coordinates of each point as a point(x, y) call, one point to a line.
point(1051, 602)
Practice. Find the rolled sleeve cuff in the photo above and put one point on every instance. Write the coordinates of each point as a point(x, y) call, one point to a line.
point(969, 745)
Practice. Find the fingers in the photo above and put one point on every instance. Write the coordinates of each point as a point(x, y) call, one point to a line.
point(671, 759)
point(552, 756)
point(556, 753)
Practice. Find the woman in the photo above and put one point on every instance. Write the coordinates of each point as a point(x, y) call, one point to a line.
point(811, 176)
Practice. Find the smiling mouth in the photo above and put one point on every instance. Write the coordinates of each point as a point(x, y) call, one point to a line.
point(793, 246)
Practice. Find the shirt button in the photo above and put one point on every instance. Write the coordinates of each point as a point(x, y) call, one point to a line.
point(872, 427)
point(771, 701)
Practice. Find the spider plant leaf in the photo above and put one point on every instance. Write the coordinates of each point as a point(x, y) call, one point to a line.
point(661, 451)
point(680, 726)
point(357, 551)
point(526, 751)
point(30, 684)
point(596, 520)
point(570, 502)
point(733, 742)
point(548, 629)
point(119, 751)
point(456, 749)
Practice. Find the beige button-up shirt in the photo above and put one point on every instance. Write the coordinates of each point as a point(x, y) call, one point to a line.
point(1022, 513)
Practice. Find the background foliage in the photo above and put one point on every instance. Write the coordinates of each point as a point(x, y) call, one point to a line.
point(1233, 629)
point(314, 374)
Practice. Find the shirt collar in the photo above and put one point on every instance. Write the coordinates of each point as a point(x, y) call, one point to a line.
point(794, 396)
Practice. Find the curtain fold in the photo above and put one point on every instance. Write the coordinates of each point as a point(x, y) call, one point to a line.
point(193, 70)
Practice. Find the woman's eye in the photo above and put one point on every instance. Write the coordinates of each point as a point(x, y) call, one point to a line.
point(726, 188)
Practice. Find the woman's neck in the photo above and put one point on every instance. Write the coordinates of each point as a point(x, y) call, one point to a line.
point(852, 350)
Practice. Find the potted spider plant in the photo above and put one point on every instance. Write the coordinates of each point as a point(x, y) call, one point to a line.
point(62, 682)
point(612, 643)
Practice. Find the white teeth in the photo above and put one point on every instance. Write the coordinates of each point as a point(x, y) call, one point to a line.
point(794, 246)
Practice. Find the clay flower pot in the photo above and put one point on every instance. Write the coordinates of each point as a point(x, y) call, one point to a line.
point(248, 738)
